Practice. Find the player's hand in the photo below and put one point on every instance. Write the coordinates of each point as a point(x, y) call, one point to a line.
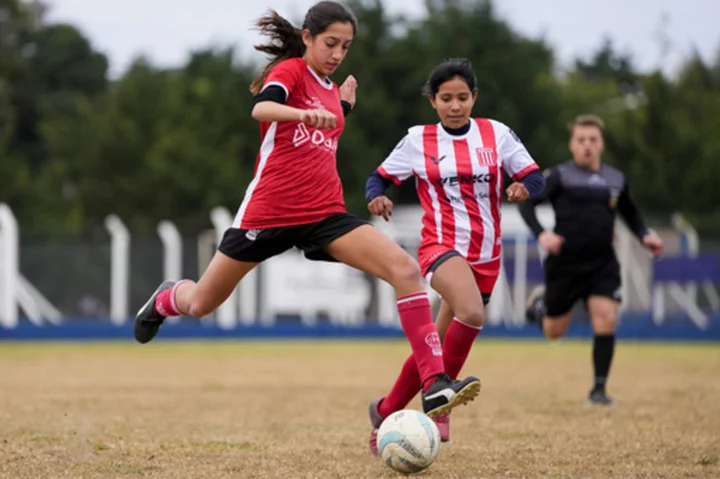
point(551, 242)
point(319, 118)
point(654, 244)
point(381, 206)
point(517, 192)
point(347, 90)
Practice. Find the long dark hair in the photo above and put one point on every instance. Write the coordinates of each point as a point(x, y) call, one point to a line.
point(286, 40)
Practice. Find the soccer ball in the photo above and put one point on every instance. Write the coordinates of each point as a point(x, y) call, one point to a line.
point(408, 441)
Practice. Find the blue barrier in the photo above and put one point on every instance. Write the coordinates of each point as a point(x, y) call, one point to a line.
point(704, 267)
point(682, 269)
point(636, 326)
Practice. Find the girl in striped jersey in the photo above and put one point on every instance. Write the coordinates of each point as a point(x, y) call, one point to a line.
point(458, 166)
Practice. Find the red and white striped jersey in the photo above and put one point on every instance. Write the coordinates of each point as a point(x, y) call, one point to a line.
point(460, 183)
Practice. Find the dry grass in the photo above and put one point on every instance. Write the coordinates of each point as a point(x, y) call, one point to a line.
point(298, 410)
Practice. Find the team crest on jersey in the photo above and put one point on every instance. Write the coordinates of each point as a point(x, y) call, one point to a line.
point(614, 194)
point(486, 156)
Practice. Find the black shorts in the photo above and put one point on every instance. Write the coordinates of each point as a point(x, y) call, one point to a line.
point(257, 245)
point(568, 280)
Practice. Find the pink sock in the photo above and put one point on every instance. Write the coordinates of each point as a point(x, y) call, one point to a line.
point(458, 341)
point(457, 344)
point(165, 304)
point(403, 391)
point(416, 320)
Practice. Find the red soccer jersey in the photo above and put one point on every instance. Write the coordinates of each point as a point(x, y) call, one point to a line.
point(296, 179)
point(460, 184)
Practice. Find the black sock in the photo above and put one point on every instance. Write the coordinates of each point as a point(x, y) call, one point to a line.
point(603, 349)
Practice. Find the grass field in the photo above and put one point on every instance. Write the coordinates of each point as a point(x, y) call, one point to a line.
point(298, 410)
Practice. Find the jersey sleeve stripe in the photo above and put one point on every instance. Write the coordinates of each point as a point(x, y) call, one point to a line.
point(388, 176)
point(525, 171)
point(276, 83)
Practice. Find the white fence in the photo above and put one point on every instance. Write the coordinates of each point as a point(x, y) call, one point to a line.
point(290, 285)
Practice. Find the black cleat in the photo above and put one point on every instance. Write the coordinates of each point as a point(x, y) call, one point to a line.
point(598, 397)
point(445, 394)
point(148, 320)
point(535, 307)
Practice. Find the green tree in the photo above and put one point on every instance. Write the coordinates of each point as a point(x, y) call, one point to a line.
point(159, 145)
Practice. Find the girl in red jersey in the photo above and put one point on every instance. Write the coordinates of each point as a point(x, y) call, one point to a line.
point(458, 165)
point(296, 199)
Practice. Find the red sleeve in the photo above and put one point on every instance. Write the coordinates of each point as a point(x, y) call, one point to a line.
point(286, 74)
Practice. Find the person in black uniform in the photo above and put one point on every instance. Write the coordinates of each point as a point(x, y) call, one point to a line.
point(581, 262)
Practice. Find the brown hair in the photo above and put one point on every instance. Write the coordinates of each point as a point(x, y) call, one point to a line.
point(587, 120)
point(286, 40)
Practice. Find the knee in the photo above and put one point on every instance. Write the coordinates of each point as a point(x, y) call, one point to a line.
point(604, 324)
point(473, 316)
point(405, 272)
point(553, 332)
point(553, 328)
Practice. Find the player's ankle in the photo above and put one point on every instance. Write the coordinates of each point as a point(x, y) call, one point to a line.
point(429, 382)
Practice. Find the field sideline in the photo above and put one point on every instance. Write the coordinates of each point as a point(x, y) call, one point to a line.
point(292, 409)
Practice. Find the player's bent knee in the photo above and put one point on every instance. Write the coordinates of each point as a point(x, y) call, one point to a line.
point(553, 333)
point(405, 272)
point(555, 328)
point(604, 324)
point(472, 317)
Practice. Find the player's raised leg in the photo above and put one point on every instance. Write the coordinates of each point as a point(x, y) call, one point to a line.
point(189, 298)
point(463, 317)
point(551, 304)
point(456, 282)
point(367, 249)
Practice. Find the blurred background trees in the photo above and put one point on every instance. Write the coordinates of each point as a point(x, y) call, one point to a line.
point(170, 144)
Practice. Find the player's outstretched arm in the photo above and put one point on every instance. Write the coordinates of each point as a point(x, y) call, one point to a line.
point(527, 208)
point(630, 212)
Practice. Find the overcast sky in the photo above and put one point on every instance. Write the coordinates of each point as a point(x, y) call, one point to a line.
point(166, 30)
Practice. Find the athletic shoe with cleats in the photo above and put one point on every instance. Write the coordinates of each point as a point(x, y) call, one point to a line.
point(535, 306)
point(148, 320)
point(443, 424)
point(445, 394)
point(376, 420)
point(598, 397)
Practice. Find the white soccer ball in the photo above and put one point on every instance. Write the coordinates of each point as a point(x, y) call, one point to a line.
point(408, 441)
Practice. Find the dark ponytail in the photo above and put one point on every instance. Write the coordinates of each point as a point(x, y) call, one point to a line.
point(286, 40)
